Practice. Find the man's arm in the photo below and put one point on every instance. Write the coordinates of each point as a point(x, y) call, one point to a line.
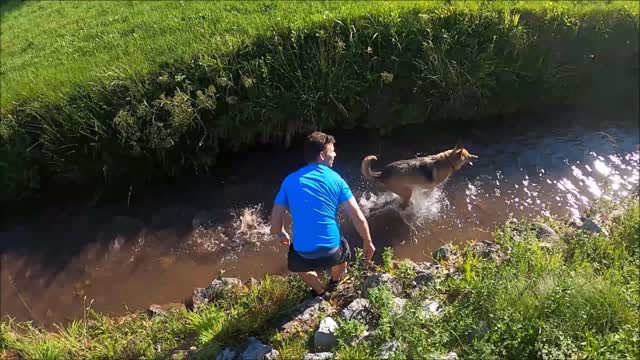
point(277, 223)
point(361, 224)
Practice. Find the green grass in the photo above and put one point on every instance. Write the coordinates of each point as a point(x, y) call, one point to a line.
point(228, 321)
point(579, 299)
point(77, 44)
point(137, 92)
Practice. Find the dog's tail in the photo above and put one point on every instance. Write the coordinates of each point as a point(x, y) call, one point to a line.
point(366, 168)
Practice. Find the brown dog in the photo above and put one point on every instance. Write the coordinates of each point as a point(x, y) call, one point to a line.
point(400, 177)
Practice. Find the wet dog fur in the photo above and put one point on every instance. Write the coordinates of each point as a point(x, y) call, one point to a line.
point(400, 177)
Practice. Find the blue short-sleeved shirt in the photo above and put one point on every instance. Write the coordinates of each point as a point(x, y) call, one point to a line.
point(313, 195)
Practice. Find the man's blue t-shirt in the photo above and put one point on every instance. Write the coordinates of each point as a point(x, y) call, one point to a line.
point(313, 195)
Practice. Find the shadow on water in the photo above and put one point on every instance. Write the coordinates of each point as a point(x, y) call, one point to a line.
point(387, 228)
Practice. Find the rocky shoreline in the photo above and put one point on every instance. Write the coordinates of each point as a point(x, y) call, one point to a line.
point(350, 303)
point(534, 290)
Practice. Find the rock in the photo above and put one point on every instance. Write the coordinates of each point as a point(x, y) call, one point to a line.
point(423, 279)
point(378, 279)
point(305, 315)
point(449, 356)
point(359, 310)
point(273, 355)
point(389, 348)
point(256, 350)
point(199, 297)
point(202, 296)
point(225, 283)
point(325, 338)
point(454, 273)
point(487, 250)
point(417, 267)
point(318, 356)
point(398, 306)
point(590, 226)
point(545, 232)
point(443, 253)
point(227, 354)
point(431, 308)
point(180, 355)
point(546, 245)
point(159, 310)
point(425, 273)
point(155, 310)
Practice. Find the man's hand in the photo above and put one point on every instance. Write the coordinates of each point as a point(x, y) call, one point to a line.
point(284, 238)
point(369, 250)
point(361, 224)
point(277, 224)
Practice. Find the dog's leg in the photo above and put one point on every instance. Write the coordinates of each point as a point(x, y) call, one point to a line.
point(401, 190)
point(406, 197)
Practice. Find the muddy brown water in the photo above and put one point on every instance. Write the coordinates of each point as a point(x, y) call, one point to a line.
point(157, 249)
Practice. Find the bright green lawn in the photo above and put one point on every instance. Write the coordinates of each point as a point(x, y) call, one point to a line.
point(48, 48)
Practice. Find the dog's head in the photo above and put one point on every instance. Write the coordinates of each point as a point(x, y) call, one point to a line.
point(460, 156)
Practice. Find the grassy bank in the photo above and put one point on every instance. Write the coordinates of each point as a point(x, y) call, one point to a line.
point(577, 297)
point(126, 93)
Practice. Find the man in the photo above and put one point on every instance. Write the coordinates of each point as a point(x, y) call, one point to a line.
point(313, 195)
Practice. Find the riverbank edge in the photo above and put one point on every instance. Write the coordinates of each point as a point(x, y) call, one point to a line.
point(179, 119)
point(385, 307)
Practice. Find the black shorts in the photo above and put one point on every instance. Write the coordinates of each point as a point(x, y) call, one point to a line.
point(297, 263)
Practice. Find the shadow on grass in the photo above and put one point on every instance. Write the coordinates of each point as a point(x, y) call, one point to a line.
point(9, 6)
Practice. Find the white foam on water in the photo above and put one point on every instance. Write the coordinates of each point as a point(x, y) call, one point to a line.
point(209, 239)
point(370, 202)
point(247, 229)
point(425, 206)
point(250, 228)
point(593, 178)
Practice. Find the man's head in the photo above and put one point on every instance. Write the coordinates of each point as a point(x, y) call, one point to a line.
point(319, 148)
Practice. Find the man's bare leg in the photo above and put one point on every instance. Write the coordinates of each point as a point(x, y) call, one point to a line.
point(311, 278)
point(338, 271)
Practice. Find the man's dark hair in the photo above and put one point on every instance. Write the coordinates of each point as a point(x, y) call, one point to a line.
point(315, 144)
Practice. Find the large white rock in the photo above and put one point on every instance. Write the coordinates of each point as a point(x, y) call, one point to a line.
point(325, 337)
point(318, 356)
point(359, 310)
point(389, 348)
point(256, 350)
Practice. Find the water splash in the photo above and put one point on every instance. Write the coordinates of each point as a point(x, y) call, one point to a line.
point(425, 206)
point(371, 203)
point(250, 227)
point(246, 230)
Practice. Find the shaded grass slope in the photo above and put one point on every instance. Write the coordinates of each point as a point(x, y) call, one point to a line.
point(139, 92)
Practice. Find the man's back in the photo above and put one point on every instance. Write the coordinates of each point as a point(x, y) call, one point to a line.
point(313, 195)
